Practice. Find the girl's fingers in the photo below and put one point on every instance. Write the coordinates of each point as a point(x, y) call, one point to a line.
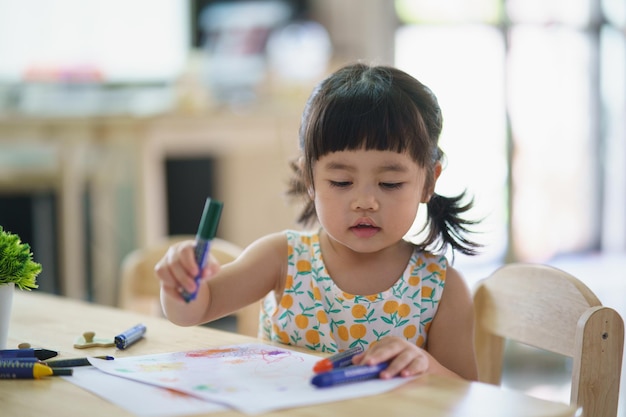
point(417, 366)
point(171, 291)
point(183, 255)
point(385, 350)
point(399, 364)
point(177, 269)
point(404, 358)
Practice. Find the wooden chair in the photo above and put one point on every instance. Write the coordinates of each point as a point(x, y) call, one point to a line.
point(139, 287)
point(549, 309)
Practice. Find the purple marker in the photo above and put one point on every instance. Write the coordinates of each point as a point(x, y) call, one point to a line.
point(348, 374)
point(206, 232)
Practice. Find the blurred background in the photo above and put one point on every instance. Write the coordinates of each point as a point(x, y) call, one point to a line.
point(118, 118)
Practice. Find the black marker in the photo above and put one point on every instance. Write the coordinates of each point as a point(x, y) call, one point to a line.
point(70, 363)
point(130, 336)
point(41, 354)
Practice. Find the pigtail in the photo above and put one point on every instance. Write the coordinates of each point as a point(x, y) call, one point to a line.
point(446, 225)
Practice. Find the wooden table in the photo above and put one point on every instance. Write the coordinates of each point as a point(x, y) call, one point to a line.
point(54, 322)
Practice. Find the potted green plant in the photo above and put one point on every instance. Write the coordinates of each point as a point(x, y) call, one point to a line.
point(17, 269)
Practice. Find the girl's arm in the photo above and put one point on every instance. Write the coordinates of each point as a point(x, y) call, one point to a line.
point(451, 335)
point(222, 290)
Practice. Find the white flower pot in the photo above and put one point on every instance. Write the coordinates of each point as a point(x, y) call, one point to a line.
point(6, 301)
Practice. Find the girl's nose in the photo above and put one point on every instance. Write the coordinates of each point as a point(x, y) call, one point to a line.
point(365, 200)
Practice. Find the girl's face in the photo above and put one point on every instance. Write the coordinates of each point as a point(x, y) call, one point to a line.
point(367, 200)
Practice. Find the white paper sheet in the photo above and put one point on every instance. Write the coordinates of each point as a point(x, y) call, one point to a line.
point(138, 398)
point(252, 378)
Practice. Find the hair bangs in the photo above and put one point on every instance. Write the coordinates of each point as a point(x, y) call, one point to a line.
point(372, 119)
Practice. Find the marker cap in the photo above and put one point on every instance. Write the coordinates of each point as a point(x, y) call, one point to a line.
point(210, 219)
point(323, 365)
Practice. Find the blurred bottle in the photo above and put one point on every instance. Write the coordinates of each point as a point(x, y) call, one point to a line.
point(299, 52)
point(236, 35)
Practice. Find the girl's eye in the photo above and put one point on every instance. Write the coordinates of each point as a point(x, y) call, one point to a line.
point(340, 184)
point(391, 185)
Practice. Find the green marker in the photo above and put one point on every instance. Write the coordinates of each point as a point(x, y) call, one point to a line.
point(206, 232)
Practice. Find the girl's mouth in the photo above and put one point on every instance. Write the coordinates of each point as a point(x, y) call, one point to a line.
point(364, 230)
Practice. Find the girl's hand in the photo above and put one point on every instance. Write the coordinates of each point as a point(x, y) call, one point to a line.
point(178, 268)
point(405, 359)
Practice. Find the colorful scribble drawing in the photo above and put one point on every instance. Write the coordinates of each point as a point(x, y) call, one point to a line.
point(227, 375)
point(251, 377)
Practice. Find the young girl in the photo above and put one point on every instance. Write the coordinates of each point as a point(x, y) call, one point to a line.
point(369, 138)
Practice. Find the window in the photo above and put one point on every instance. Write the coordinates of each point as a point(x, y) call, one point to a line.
point(114, 41)
point(533, 100)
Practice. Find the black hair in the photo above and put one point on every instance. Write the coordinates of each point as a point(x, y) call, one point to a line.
point(380, 108)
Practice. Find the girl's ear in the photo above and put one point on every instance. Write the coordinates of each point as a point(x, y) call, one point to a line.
point(429, 189)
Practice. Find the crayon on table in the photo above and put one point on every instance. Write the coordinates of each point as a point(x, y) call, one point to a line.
point(69, 363)
point(64, 363)
point(130, 336)
point(41, 354)
point(16, 369)
point(206, 232)
point(338, 360)
point(348, 374)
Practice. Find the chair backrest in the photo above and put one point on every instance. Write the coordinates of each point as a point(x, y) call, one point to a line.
point(549, 309)
point(139, 288)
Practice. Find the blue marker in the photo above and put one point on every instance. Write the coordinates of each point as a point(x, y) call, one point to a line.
point(206, 232)
point(130, 336)
point(338, 360)
point(348, 374)
point(15, 369)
